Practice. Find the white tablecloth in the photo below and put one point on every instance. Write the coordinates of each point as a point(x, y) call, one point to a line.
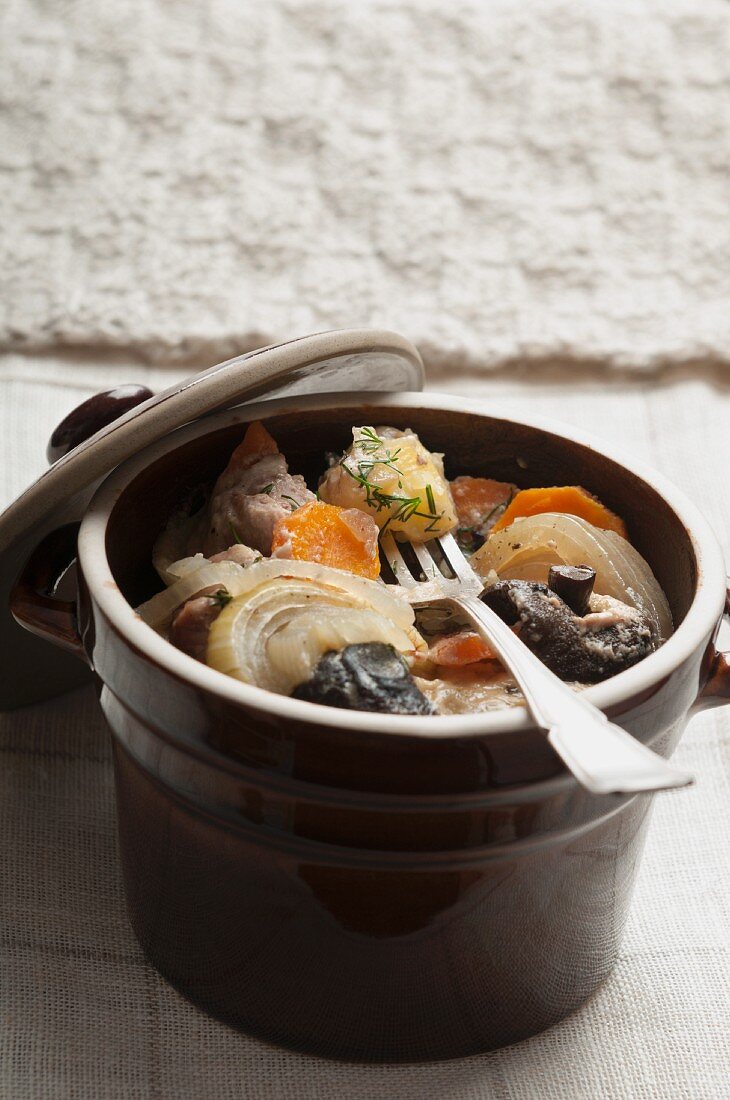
point(84, 1017)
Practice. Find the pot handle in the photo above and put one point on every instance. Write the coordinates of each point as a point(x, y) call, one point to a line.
point(90, 417)
point(717, 687)
point(33, 600)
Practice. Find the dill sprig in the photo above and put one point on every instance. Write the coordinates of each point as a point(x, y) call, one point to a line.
point(369, 441)
point(221, 598)
point(402, 508)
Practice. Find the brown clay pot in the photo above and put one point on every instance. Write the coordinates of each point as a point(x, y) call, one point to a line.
point(359, 886)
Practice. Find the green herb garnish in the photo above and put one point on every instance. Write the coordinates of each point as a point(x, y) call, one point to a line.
point(294, 503)
point(402, 508)
point(369, 441)
point(221, 598)
point(236, 537)
point(267, 488)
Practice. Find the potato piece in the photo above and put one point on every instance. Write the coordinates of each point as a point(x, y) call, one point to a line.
point(389, 475)
point(342, 538)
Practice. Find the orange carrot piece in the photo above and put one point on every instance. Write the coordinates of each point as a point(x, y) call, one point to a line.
point(569, 499)
point(257, 441)
point(477, 497)
point(464, 648)
point(343, 538)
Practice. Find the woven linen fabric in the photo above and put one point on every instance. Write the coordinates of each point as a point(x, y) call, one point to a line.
point(512, 179)
point(84, 1017)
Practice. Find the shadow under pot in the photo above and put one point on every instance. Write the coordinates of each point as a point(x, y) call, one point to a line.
point(376, 887)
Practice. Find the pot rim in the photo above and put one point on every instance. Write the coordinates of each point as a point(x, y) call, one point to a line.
point(704, 612)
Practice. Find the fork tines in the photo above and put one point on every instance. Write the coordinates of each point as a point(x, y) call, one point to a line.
point(438, 560)
point(410, 565)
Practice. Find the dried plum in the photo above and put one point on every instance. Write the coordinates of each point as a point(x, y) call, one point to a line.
point(574, 584)
point(366, 676)
point(586, 648)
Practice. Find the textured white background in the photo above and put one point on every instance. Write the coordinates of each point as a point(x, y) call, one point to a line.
point(535, 188)
point(535, 179)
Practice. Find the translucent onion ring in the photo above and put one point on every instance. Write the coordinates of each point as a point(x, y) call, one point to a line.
point(528, 547)
point(275, 635)
point(237, 580)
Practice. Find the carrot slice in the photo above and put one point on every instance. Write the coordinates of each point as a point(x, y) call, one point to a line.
point(344, 538)
point(477, 497)
point(456, 650)
point(570, 499)
point(257, 441)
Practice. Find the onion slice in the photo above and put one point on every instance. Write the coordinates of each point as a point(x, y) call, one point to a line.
point(274, 636)
point(237, 580)
point(159, 610)
point(528, 547)
point(177, 569)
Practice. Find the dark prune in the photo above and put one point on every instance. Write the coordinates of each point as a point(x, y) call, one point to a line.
point(366, 676)
point(574, 647)
point(574, 584)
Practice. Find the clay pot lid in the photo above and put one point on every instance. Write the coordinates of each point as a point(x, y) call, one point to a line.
point(345, 360)
point(328, 362)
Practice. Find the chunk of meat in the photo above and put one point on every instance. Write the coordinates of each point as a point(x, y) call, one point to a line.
point(192, 622)
point(254, 491)
point(191, 625)
point(343, 538)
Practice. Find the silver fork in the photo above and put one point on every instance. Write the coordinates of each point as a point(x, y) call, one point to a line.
point(602, 756)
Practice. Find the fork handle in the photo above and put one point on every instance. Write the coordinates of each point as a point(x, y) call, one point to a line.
point(602, 756)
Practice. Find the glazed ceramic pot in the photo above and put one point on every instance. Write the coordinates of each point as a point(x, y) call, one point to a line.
point(361, 886)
